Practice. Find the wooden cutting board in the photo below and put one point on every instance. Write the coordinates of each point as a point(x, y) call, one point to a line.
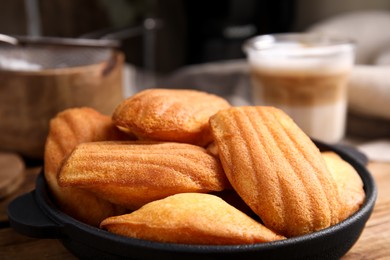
point(11, 173)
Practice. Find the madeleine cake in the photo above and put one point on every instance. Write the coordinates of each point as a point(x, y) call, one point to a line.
point(276, 169)
point(134, 173)
point(68, 129)
point(349, 183)
point(169, 115)
point(190, 218)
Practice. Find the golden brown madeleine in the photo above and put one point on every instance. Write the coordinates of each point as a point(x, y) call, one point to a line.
point(349, 183)
point(276, 169)
point(134, 173)
point(68, 129)
point(176, 115)
point(190, 218)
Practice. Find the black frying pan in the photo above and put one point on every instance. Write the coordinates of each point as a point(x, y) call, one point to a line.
point(34, 214)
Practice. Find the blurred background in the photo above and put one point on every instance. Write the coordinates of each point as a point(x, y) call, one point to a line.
point(181, 44)
point(191, 31)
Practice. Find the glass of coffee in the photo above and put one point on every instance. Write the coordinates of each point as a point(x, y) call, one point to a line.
point(305, 75)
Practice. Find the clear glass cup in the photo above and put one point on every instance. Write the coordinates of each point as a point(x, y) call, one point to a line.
point(305, 75)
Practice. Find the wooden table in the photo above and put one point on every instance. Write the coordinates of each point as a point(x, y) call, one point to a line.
point(373, 244)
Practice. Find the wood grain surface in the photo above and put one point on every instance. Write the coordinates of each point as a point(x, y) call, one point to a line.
point(375, 239)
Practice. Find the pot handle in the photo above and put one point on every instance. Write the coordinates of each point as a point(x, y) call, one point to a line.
point(27, 218)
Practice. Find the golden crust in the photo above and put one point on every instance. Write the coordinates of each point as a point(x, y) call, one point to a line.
point(133, 173)
point(68, 129)
point(276, 169)
point(349, 183)
point(169, 115)
point(190, 218)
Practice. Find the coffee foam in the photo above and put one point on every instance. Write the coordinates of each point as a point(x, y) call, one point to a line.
point(299, 58)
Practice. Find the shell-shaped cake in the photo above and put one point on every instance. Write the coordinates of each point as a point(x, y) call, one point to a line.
point(348, 181)
point(177, 115)
point(190, 218)
point(68, 129)
point(276, 169)
point(134, 173)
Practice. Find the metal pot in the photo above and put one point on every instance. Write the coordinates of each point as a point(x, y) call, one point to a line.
point(37, 82)
point(41, 76)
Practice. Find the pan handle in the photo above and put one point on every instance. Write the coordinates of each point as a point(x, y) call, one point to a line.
point(27, 218)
